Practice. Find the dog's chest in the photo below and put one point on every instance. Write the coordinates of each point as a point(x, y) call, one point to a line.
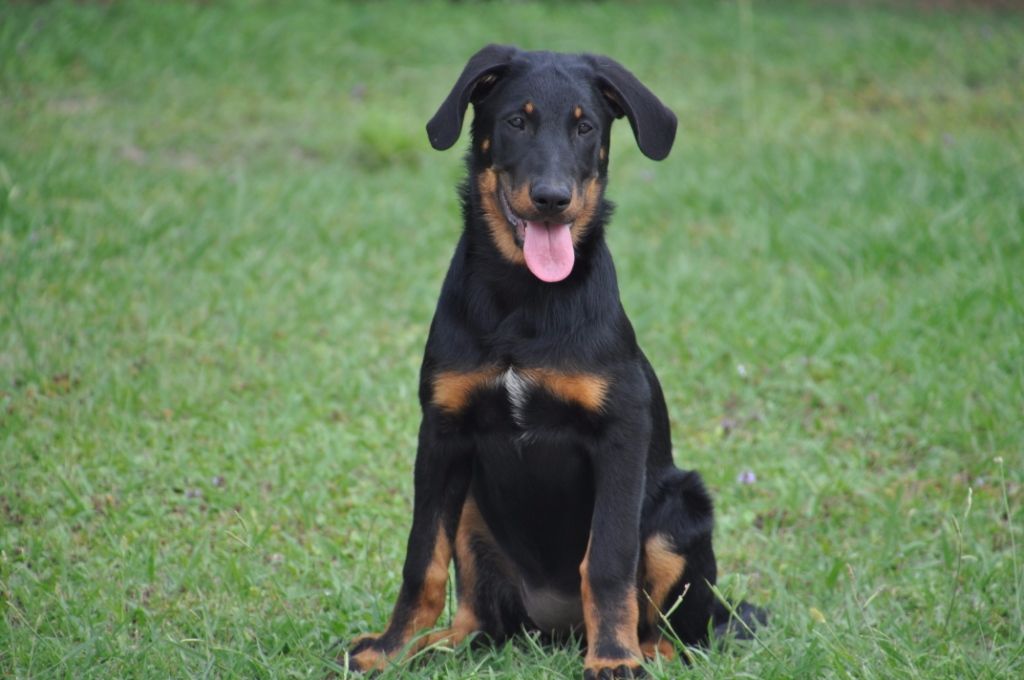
point(520, 397)
point(518, 390)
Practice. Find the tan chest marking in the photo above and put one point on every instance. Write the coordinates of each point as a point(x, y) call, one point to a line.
point(454, 389)
point(585, 389)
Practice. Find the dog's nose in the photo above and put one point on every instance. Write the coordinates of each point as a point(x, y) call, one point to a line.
point(550, 198)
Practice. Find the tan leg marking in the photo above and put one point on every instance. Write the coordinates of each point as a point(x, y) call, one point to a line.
point(663, 567)
point(465, 622)
point(425, 612)
point(435, 582)
point(590, 616)
point(658, 647)
point(625, 632)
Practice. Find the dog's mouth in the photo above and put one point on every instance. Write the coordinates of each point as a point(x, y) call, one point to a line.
point(547, 246)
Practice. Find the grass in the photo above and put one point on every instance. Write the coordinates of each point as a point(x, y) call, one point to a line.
point(222, 233)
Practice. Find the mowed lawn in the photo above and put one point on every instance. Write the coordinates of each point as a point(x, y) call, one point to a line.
point(222, 234)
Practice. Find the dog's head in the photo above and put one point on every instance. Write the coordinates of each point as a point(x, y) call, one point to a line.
point(541, 134)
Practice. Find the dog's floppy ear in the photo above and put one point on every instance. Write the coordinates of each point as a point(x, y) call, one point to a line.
point(654, 126)
point(481, 71)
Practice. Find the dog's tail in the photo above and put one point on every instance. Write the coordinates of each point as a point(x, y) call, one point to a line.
point(739, 623)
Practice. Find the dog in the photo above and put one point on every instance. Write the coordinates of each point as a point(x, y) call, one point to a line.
point(544, 465)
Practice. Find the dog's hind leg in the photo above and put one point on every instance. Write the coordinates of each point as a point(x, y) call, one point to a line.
point(677, 563)
point(488, 602)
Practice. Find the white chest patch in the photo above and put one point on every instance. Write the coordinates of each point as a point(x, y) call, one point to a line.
point(518, 388)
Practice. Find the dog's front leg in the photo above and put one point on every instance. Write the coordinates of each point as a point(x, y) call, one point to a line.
point(608, 572)
point(441, 478)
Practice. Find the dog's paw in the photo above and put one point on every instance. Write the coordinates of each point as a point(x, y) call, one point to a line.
point(655, 648)
point(365, 655)
point(609, 669)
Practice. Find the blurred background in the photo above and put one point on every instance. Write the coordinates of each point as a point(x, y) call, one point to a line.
point(223, 231)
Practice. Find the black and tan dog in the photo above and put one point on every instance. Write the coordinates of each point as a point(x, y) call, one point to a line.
point(544, 466)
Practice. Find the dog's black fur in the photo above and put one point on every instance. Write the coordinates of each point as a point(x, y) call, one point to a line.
point(544, 466)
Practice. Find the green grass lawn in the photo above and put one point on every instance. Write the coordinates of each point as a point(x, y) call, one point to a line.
point(222, 234)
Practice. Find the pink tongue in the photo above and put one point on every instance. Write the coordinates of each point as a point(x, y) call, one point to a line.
point(548, 250)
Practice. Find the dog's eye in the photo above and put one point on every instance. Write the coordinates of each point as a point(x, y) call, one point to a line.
point(517, 122)
point(584, 127)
